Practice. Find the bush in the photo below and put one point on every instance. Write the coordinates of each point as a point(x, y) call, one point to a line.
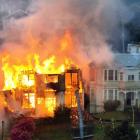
point(23, 129)
point(121, 132)
point(44, 121)
point(62, 114)
point(111, 105)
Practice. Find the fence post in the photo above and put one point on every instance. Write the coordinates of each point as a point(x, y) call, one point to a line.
point(2, 131)
point(138, 137)
point(81, 125)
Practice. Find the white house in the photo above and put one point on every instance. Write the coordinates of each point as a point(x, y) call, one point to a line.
point(117, 81)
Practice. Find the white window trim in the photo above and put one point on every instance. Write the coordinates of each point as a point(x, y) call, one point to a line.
point(107, 74)
point(107, 94)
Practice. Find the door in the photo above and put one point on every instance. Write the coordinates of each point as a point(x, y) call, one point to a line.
point(129, 98)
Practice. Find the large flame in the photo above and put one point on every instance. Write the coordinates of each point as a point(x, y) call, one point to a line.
point(50, 65)
point(20, 74)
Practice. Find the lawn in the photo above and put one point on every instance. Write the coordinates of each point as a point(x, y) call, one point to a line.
point(116, 115)
point(63, 131)
point(98, 133)
point(53, 132)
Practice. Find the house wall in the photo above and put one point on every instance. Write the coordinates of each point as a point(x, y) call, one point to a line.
point(120, 88)
point(133, 48)
point(96, 90)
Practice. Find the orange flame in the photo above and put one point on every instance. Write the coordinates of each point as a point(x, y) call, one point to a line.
point(47, 66)
point(17, 74)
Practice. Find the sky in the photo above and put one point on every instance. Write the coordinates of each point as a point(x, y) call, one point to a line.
point(95, 24)
point(110, 13)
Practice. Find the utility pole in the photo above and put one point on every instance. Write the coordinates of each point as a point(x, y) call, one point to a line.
point(81, 125)
point(133, 116)
point(2, 131)
point(123, 38)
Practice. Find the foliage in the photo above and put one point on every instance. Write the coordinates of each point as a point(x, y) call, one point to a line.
point(62, 114)
point(23, 129)
point(44, 121)
point(129, 110)
point(121, 132)
point(111, 105)
point(98, 133)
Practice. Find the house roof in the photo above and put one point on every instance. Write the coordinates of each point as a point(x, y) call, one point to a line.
point(127, 60)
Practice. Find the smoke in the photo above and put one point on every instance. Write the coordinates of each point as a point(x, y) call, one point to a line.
point(93, 24)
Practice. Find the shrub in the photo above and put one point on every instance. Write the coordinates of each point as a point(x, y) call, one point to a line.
point(121, 132)
point(111, 105)
point(23, 129)
point(44, 121)
point(62, 114)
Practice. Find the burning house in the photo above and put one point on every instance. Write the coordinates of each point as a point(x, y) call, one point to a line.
point(41, 81)
point(42, 93)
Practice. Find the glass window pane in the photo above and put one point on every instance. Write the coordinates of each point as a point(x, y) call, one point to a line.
point(121, 76)
point(116, 75)
point(105, 94)
point(110, 92)
point(110, 75)
point(105, 75)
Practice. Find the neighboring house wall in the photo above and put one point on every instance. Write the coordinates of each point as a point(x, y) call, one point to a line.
point(114, 83)
point(96, 89)
point(133, 48)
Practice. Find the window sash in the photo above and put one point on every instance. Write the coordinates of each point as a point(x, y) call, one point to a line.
point(110, 75)
point(131, 78)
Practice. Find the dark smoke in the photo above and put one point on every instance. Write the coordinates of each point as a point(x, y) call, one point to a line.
point(94, 24)
point(89, 19)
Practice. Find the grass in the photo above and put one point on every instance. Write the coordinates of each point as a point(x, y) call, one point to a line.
point(116, 115)
point(53, 132)
point(98, 133)
point(62, 132)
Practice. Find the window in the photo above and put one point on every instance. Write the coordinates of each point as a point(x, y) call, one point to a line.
point(132, 95)
point(110, 75)
point(121, 76)
point(130, 77)
point(116, 94)
point(105, 75)
point(116, 75)
point(105, 94)
point(110, 94)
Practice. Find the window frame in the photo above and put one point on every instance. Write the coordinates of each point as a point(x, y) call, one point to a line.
point(131, 77)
